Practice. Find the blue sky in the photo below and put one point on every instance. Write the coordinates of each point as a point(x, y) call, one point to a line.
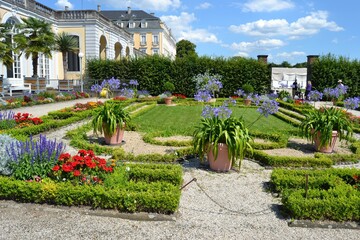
point(286, 30)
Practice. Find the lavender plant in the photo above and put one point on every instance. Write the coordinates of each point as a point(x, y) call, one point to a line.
point(34, 158)
point(7, 119)
point(5, 142)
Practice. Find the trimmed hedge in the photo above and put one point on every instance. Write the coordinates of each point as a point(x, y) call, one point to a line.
point(331, 194)
point(151, 190)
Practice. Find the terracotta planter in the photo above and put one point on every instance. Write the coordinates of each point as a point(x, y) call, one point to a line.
point(168, 100)
point(327, 148)
point(116, 137)
point(247, 102)
point(222, 163)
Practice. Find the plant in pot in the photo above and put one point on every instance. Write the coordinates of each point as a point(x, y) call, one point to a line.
point(223, 138)
point(169, 88)
point(110, 119)
point(323, 126)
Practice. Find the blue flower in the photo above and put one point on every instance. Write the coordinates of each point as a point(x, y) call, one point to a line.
point(315, 95)
point(133, 82)
point(351, 103)
point(202, 96)
point(268, 107)
point(96, 88)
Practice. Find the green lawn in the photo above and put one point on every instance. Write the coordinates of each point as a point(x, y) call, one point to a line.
point(181, 120)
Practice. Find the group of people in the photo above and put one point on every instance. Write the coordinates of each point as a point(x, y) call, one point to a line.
point(296, 92)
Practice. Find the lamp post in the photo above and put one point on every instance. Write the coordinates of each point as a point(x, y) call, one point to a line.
point(81, 55)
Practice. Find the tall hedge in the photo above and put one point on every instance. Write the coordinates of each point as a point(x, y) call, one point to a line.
point(328, 69)
point(153, 71)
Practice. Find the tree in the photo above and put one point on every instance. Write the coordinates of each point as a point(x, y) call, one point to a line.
point(185, 48)
point(35, 37)
point(5, 45)
point(65, 43)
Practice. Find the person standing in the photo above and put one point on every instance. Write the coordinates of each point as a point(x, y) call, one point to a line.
point(308, 89)
point(294, 88)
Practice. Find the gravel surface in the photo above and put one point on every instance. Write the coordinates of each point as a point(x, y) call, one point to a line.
point(232, 205)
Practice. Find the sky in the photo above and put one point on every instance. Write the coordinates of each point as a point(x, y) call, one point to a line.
point(285, 30)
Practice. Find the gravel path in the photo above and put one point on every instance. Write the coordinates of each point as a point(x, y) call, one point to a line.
point(232, 205)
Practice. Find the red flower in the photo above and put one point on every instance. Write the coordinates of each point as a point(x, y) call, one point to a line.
point(64, 157)
point(76, 173)
point(67, 167)
point(56, 168)
point(82, 152)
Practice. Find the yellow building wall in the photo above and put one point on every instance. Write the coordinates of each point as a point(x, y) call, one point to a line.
point(79, 31)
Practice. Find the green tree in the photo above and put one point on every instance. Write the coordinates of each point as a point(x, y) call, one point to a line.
point(185, 48)
point(35, 37)
point(65, 43)
point(5, 45)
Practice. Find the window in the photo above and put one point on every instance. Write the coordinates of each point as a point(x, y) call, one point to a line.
point(143, 50)
point(14, 71)
point(73, 58)
point(43, 67)
point(143, 24)
point(155, 51)
point(155, 39)
point(143, 39)
point(131, 24)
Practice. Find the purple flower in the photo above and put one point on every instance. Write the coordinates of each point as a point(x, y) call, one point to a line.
point(143, 92)
point(351, 103)
point(342, 89)
point(315, 95)
point(220, 112)
point(7, 115)
point(112, 83)
point(133, 82)
point(239, 92)
point(202, 96)
point(96, 88)
point(214, 85)
point(272, 96)
point(229, 102)
point(268, 107)
point(127, 92)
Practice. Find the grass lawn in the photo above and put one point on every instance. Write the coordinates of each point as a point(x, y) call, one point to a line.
point(181, 120)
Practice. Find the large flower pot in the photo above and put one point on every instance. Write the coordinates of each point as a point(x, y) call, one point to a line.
point(168, 100)
point(327, 148)
point(247, 102)
point(116, 137)
point(222, 162)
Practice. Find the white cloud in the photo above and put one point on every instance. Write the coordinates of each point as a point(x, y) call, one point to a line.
point(204, 5)
point(308, 25)
point(181, 28)
point(260, 45)
point(242, 54)
point(158, 5)
point(64, 3)
point(291, 55)
point(266, 5)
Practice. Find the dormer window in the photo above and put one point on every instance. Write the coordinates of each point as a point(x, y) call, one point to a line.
point(143, 24)
point(131, 24)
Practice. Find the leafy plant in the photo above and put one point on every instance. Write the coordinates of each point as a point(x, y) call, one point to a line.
point(108, 117)
point(5, 142)
point(248, 88)
point(323, 121)
point(169, 86)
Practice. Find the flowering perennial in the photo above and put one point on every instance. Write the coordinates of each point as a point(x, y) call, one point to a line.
point(351, 103)
point(84, 168)
point(26, 117)
point(202, 96)
point(315, 95)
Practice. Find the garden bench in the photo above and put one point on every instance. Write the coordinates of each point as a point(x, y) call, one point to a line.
point(8, 88)
point(39, 84)
point(65, 85)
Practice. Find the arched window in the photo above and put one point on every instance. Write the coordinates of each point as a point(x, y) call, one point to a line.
point(73, 58)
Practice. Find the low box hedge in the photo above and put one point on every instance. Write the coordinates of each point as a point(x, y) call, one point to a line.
point(331, 193)
point(150, 188)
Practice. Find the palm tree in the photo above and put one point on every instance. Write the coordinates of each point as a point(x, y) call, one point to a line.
point(5, 45)
point(65, 43)
point(35, 37)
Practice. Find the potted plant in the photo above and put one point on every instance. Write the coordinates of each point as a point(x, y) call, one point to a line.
point(169, 88)
point(224, 139)
point(111, 119)
point(323, 126)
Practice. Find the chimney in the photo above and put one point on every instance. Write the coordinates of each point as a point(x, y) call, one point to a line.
point(66, 8)
point(310, 60)
point(262, 58)
point(129, 10)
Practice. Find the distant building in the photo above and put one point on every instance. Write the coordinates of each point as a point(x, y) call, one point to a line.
point(283, 78)
point(150, 34)
point(98, 38)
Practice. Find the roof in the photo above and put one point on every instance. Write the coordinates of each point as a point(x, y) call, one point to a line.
point(123, 15)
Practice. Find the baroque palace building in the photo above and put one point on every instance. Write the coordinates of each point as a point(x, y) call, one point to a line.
point(100, 35)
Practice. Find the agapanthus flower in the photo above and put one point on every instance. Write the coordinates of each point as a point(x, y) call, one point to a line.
point(351, 103)
point(202, 96)
point(315, 95)
point(133, 82)
point(220, 112)
point(229, 102)
point(239, 92)
point(127, 92)
point(268, 107)
point(96, 88)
